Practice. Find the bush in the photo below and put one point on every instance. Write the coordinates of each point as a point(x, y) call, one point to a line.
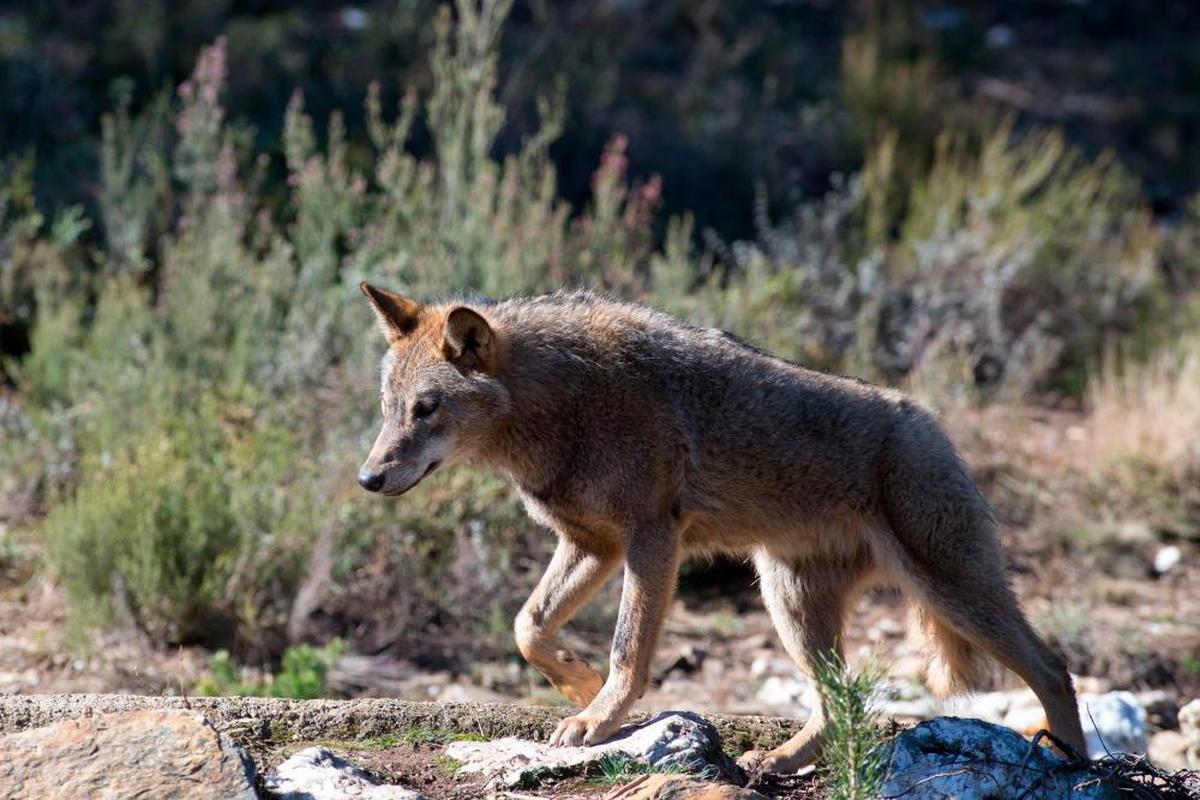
point(186, 531)
point(302, 674)
point(1007, 267)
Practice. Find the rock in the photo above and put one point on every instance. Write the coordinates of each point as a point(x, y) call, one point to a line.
point(690, 659)
point(129, 754)
point(1189, 727)
point(900, 699)
point(680, 787)
point(1162, 708)
point(680, 741)
point(785, 693)
point(1168, 750)
point(1114, 722)
point(283, 720)
point(318, 774)
point(1018, 709)
point(965, 759)
point(1167, 559)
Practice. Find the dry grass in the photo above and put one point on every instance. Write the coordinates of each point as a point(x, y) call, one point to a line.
point(1148, 414)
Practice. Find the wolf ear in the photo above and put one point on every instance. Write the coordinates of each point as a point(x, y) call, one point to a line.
point(468, 338)
point(397, 315)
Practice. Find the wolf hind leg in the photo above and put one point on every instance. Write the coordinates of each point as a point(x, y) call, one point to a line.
point(953, 566)
point(986, 616)
point(807, 602)
point(956, 575)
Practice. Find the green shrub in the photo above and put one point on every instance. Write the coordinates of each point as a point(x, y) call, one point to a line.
point(179, 529)
point(302, 674)
point(1010, 263)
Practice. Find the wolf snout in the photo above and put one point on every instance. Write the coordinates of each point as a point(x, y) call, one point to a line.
point(371, 480)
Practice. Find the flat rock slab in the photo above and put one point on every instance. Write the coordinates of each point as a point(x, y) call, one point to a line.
point(159, 754)
point(317, 774)
point(675, 741)
point(949, 758)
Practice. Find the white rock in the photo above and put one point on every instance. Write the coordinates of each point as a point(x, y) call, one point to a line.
point(772, 665)
point(671, 740)
point(784, 692)
point(1114, 722)
point(967, 759)
point(904, 699)
point(1167, 559)
point(317, 774)
point(1018, 709)
point(1189, 726)
point(1168, 749)
point(919, 708)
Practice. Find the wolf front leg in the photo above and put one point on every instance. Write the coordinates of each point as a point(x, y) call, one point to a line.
point(573, 576)
point(651, 567)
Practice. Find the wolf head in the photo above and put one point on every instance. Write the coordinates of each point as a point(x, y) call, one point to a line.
point(440, 395)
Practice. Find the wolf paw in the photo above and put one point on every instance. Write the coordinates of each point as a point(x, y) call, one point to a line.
point(582, 730)
point(758, 762)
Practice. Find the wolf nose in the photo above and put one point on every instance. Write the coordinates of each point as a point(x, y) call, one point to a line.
point(371, 481)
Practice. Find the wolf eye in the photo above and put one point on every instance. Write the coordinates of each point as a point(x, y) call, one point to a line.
point(424, 408)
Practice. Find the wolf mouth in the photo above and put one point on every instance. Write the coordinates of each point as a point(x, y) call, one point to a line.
point(396, 493)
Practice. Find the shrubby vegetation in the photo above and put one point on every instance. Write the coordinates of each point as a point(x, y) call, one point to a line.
point(302, 674)
point(198, 388)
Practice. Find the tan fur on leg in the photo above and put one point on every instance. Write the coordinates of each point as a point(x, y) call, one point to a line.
point(572, 577)
point(807, 602)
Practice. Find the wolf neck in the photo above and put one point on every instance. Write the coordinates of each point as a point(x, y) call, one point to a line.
point(533, 441)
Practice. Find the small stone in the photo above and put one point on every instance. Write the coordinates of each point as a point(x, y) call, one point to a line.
point(317, 774)
point(771, 665)
point(146, 753)
point(679, 741)
point(781, 692)
point(1167, 559)
point(918, 708)
point(1018, 709)
point(1168, 750)
point(466, 693)
point(1114, 722)
point(1189, 727)
point(1162, 708)
point(690, 659)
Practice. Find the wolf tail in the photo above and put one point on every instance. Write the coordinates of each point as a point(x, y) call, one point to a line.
point(955, 664)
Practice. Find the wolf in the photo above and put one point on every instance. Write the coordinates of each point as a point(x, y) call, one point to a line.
point(639, 440)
